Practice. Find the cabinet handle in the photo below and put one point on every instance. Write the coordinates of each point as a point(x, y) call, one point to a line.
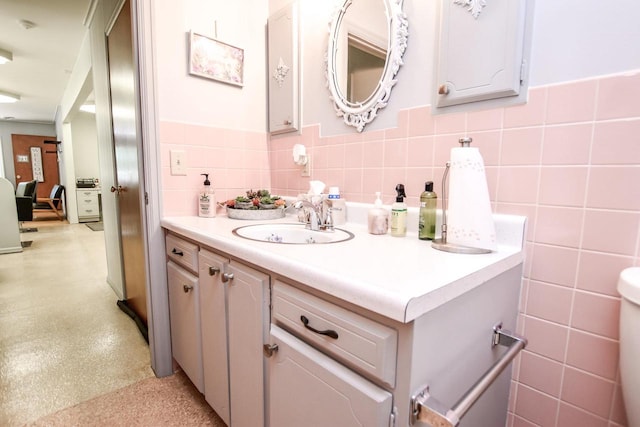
point(329, 332)
point(187, 288)
point(227, 277)
point(269, 349)
point(213, 271)
point(177, 252)
point(443, 89)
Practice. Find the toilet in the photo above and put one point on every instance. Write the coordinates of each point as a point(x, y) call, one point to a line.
point(629, 288)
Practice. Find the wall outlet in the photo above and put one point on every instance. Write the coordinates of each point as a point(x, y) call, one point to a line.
point(178, 162)
point(306, 169)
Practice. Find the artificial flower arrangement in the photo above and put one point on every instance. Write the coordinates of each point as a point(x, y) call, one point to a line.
point(256, 200)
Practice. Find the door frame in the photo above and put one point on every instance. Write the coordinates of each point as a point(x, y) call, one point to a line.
point(157, 293)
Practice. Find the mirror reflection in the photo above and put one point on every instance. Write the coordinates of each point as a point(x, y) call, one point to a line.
point(367, 39)
point(362, 46)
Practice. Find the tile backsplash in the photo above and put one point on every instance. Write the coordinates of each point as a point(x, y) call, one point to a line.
point(569, 160)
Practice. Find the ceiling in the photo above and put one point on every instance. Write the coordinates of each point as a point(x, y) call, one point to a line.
point(43, 56)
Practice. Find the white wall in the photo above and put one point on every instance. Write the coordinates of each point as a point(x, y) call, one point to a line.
point(190, 99)
point(572, 39)
point(576, 39)
point(85, 146)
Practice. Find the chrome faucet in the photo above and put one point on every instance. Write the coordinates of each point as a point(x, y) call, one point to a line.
point(318, 216)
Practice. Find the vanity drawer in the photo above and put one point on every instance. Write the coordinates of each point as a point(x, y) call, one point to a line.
point(361, 343)
point(182, 252)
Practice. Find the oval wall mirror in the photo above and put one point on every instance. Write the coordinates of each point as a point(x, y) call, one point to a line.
point(367, 39)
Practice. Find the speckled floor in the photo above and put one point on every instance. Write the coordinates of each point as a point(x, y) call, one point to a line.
point(63, 340)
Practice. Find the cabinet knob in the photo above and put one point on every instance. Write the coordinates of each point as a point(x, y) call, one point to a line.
point(269, 349)
point(213, 271)
point(443, 89)
point(227, 277)
point(187, 288)
point(177, 252)
point(287, 122)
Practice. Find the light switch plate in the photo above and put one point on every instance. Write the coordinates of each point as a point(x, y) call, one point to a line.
point(178, 162)
point(306, 169)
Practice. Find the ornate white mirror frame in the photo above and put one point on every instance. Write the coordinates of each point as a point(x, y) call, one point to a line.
point(359, 114)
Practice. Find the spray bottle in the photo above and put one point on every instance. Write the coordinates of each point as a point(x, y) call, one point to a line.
point(399, 214)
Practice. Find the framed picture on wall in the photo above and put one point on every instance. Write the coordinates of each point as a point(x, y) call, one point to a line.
point(215, 60)
point(36, 164)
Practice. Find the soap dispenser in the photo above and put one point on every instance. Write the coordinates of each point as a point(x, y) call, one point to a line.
point(378, 218)
point(427, 216)
point(206, 199)
point(399, 213)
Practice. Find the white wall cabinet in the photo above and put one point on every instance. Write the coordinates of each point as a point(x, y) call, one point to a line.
point(284, 86)
point(481, 51)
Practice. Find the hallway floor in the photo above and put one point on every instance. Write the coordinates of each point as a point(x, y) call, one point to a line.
point(63, 340)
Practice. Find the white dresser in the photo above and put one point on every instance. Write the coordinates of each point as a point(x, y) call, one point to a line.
point(88, 200)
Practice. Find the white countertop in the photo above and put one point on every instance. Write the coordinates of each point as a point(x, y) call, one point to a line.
point(397, 277)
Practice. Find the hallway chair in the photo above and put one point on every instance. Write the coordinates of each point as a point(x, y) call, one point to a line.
point(51, 203)
point(25, 201)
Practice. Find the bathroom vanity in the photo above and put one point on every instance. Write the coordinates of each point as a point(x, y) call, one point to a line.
point(340, 333)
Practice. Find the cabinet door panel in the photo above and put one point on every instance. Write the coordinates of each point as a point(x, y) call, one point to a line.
point(248, 317)
point(214, 332)
point(184, 308)
point(283, 71)
point(307, 388)
point(480, 58)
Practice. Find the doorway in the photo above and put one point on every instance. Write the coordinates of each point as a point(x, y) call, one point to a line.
point(35, 159)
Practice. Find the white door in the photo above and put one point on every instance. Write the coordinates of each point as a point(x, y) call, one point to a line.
point(307, 388)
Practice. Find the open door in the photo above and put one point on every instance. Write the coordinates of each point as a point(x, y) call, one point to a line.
point(128, 148)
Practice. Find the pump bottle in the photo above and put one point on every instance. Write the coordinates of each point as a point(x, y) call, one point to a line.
point(206, 199)
point(427, 216)
point(378, 217)
point(399, 214)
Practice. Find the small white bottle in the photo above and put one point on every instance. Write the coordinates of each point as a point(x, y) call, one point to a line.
point(378, 217)
point(338, 206)
point(206, 199)
point(399, 214)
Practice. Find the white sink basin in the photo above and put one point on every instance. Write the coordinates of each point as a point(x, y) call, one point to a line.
point(293, 234)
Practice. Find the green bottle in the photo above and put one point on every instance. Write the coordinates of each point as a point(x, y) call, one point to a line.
point(427, 216)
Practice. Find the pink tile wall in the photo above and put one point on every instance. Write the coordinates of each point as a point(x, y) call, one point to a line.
point(569, 159)
point(236, 161)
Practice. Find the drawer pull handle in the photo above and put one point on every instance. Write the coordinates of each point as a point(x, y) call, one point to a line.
point(329, 332)
point(227, 277)
point(213, 271)
point(187, 288)
point(177, 252)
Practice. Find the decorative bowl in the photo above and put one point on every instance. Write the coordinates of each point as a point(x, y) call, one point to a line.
point(255, 214)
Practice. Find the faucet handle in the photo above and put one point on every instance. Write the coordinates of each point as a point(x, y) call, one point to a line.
point(328, 221)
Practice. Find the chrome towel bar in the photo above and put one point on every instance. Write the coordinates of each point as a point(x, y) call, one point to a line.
point(427, 409)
